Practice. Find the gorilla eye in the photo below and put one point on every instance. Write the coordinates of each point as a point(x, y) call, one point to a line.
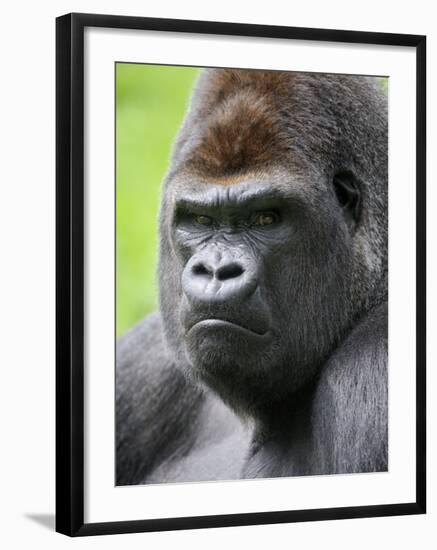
point(203, 220)
point(265, 218)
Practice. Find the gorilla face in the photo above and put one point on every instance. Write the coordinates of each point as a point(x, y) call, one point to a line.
point(273, 228)
point(259, 282)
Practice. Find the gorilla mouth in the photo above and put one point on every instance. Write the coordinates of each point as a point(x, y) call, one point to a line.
point(227, 324)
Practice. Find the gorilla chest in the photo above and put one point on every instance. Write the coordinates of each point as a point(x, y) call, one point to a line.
point(229, 458)
point(220, 447)
point(213, 447)
point(220, 460)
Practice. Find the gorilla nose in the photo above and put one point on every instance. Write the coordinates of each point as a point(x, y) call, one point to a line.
point(224, 272)
point(217, 279)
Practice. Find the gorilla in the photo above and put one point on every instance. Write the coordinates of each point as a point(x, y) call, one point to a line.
point(268, 356)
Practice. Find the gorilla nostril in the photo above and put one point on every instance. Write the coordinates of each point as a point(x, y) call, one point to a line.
point(201, 269)
point(230, 271)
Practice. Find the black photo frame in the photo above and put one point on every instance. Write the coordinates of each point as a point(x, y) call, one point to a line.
point(70, 291)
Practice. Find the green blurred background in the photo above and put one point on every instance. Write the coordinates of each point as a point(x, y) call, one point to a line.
point(151, 101)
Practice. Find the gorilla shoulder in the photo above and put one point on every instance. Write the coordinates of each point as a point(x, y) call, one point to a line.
point(148, 390)
point(159, 413)
point(350, 404)
point(133, 364)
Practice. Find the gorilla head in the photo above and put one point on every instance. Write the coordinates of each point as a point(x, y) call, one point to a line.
point(273, 228)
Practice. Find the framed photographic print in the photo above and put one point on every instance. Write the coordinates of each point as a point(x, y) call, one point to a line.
point(240, 274)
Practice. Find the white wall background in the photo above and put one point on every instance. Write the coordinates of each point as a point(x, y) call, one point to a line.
point(27, 125)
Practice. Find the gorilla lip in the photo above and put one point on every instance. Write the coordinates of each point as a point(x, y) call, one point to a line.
point(216, 323)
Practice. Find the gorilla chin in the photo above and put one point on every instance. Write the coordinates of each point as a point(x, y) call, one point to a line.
point(213, 343)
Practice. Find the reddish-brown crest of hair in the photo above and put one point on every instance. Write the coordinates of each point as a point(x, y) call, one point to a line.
point(241, 124)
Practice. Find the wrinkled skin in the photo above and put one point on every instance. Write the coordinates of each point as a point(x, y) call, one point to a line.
point(269, 355)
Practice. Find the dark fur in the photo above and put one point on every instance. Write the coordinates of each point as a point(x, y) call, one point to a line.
point(315, 400)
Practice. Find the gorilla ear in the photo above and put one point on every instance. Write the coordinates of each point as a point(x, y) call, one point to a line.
point(348, 194)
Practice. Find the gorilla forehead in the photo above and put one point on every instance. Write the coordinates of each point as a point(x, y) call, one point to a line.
point(252, 119)
point(240, 132)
